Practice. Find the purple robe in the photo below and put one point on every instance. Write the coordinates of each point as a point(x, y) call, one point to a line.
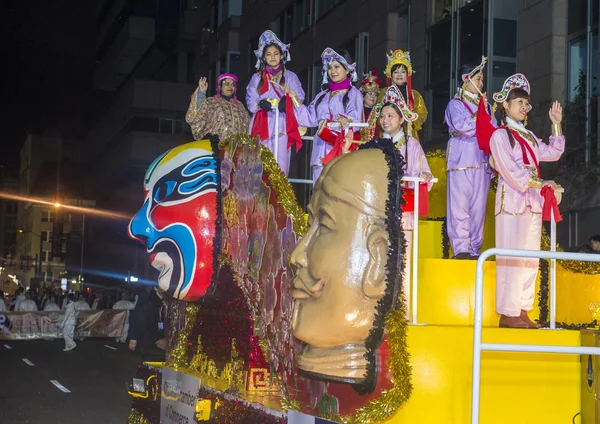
point(274, 92)
point(330, 107)
point(468, 177)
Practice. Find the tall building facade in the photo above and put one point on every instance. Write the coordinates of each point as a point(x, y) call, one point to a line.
point(553, 42)
point(143, 82)
point(41, 253)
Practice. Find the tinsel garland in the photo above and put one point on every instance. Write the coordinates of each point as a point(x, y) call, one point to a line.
point(178, 357)
point(439, 153)
point(445, 238)
point(543, 293)
point(543, 296)
point(578, 267)
point(285, 194)
point(136, 417)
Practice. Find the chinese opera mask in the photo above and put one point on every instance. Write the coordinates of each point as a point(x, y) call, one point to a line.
point(179, 219)
point(347, 264)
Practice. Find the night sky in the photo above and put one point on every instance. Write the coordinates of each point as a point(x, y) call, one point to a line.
point(47, 71)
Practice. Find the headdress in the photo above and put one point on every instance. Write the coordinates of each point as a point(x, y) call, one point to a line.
point(512, 82)
point(268, 37)
point(220, 79)
point(328, 56)
point(475, 71)
point(371, 83)
point(393, 96)
point(400, 57)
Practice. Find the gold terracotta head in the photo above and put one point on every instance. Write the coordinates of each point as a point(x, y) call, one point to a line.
point(341, 262)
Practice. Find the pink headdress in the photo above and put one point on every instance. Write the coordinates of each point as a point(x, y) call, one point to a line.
point(393, 96)
point(224, 77)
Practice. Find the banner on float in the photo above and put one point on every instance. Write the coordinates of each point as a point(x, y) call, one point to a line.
point(44, 325)
point(295, 417)
point(179, 395)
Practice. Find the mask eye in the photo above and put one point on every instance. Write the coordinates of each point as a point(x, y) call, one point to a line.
point(163, 191)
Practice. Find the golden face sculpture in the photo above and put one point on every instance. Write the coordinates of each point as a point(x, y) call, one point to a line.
point(341, 265)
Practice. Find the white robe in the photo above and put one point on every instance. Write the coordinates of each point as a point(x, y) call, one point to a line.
point(27, 305)
point(51, 307)
point(68, 325)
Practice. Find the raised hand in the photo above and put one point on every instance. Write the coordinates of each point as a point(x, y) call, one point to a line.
point(203, 84)
point(556, 113)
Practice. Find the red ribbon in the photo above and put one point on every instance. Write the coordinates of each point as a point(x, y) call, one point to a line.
point(550, 206)
point(260, 127)
point(337, 150)
point(291, 125)
point(483, 127)
point(265, 85)
point(408, 194)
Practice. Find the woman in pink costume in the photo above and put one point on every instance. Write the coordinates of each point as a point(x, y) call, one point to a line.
point(515, 155)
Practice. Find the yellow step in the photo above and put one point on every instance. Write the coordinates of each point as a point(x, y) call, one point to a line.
point(515, 387)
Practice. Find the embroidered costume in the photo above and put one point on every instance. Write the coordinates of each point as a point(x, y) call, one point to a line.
point(339, 101)
point(217, 115)
point(268, 84)
point(515, 154)
point(468, 175)
point(411, 97)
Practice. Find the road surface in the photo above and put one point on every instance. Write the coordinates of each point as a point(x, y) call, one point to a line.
point(35, 375)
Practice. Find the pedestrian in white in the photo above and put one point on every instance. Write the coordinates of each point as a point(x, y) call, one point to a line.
point(68, 325)
point(81, 304)
point(51, 305)
point(27, 305)
point(127, 305)
point(20, 298)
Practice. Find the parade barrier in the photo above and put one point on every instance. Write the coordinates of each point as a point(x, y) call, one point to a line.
point(44, 325)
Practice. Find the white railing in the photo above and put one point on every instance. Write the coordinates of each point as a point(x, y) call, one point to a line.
point(413, 296)
point(479, 346)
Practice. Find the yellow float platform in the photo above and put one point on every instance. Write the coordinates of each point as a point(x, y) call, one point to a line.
point(447, 294)
point(515, 387)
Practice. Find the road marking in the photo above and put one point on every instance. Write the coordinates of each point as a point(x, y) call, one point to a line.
point(7, 347)
point(110, 347)
point(60, 386)
point(28, 362)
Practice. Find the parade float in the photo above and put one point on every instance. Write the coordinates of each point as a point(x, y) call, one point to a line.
point(275, 311)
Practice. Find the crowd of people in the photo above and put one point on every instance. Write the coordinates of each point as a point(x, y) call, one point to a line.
point(479, 146)
point(142, 325)
point(55, 299)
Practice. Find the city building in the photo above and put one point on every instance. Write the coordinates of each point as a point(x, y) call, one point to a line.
point(46, 225)
point(553, 42)
point(143, 82)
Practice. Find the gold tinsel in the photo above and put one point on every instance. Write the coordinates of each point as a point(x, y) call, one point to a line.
point(178, 356)
point(288, 404)
point(136, 417)
point(283, 189)
point(578, 267)
point(439, 153)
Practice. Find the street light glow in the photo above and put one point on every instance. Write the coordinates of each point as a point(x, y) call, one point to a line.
point(57, 205)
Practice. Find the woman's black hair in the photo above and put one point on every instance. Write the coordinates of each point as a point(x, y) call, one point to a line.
point(515, 93)
point(344, 53)
point(404, 127)
point(263, 65)
point(466, 69)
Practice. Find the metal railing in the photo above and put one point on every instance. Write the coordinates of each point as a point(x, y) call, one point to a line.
point(479, 346)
